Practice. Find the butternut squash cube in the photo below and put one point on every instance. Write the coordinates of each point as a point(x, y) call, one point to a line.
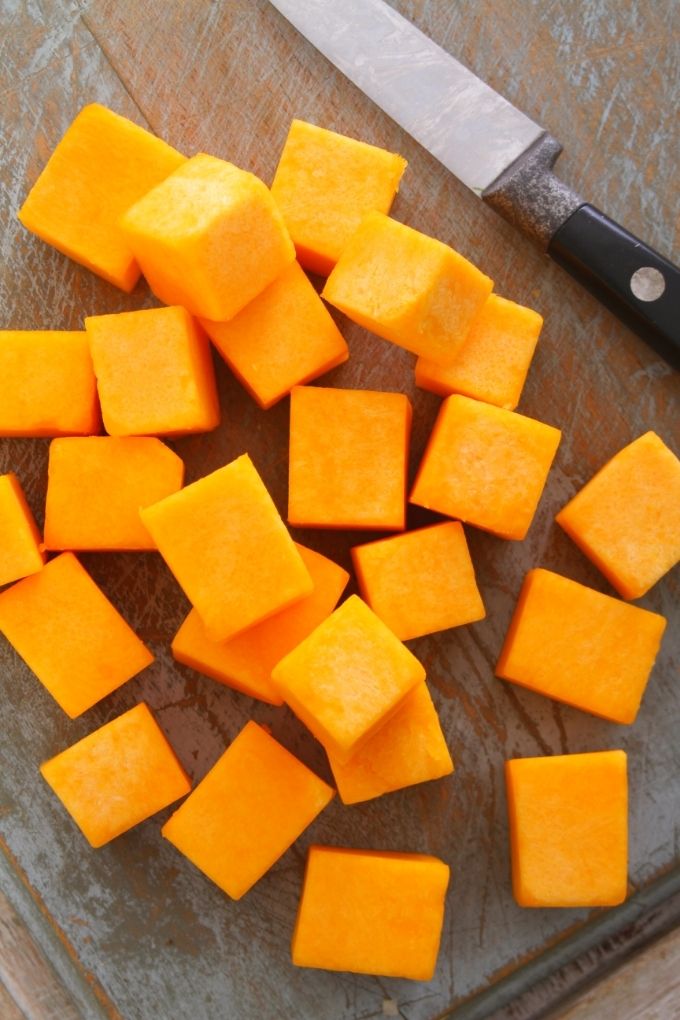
point(117, 777)
point(101, 166)
point(410, 748)
point(581, 647)
point(20, 547)
point(247, 660)
point(407, 288)
point(420, 582)
point(493, 362)
point(348, 458)
point(224, 541)
point(47, 384)
point(66, 631)
point(627, 518)
point(371, 912)
point(247, 811)
point(347, 678)
point(154, 373)
point(324, 184)
point(569, 829)
point(486, 466)
point(209, 237)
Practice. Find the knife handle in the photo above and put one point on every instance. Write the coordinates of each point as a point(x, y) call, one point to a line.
point(638, 285)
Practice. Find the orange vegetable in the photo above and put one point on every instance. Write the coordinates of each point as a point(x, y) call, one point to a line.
point(324, 184)
point(581, 647)
point(224, 541)
point(371, 912)
point(117, 776)
point(486, 466)
point(20, 549)
point(410, 748)
point(97, 485)
point(66, 630)
point(154, 372)
point(627, 518)
point(101, 166)
point(285, 336)
point(348, 458)
point(347, 678)
point(420, 582)
point(407, 288)
point(47, 385)
point(247, 811)
point(494, 359)
point(569, 829)
point(247, 660)
point(209, 237)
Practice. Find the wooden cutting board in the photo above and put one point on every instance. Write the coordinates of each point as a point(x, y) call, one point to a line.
point(140, 933)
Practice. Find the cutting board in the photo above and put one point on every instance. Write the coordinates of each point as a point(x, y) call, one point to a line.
point(133, 929)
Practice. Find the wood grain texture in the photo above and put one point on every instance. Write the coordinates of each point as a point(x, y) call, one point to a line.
point(227, 78)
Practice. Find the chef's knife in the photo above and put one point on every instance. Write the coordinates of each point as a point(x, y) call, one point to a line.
point(496, 151)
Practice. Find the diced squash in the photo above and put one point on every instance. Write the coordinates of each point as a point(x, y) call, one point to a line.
point(209, 237)
point(284, 337)
point(493, 362)
point(410, 748)
point(224, 541)
point(627, 518)
point(347, 678)
point(420, 582)
point(407, 287)
point(154, 372)
point(117, 776)
point(66, 630)
point(20, 547)
point(101, 166)
point(569, 829)
point(247, 660)
point(324, 184)
point(247, 811)
point(371, 912)
point(486, 466)
point(47, 384)
point(348, 458)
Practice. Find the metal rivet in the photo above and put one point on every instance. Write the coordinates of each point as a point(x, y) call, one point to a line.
point(647, 284)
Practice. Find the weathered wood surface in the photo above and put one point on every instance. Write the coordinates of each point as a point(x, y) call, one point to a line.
point(227, 78)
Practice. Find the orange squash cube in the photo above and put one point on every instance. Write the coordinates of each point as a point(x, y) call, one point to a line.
point(66, 631)
point(348, 458)
point(569, 829)
point(581, 647)
point(324, 185)
point(224, 541)
point(407, 288)
point(101, 166)
point(154, 373)
point(284, 337)
point(627, 518)
point(420, 582)
point(493, 362)
point(20, 546)
point(96, 486)
point(371, 912)
point(486, 466)
point(247, 660)
point(410, 748)
point(117, 777)
point(347, 678)
point(47, 384)
point(247, 811)
point(209, 237)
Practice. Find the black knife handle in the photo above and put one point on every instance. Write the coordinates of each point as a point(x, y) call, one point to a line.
point(638, 285)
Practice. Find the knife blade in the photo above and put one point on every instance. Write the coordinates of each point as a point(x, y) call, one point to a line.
point(499, 153)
